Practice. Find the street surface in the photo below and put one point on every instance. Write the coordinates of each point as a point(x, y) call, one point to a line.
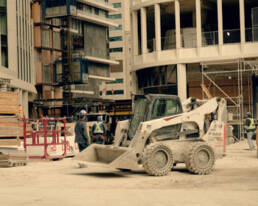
point(233, 182)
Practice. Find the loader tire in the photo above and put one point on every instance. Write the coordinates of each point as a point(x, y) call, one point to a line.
point(200, 159)
point(157, 159)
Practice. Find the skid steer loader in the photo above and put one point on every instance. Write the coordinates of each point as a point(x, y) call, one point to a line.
point(163, 132)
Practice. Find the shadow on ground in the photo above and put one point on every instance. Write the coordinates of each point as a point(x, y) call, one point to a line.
point(100, 174)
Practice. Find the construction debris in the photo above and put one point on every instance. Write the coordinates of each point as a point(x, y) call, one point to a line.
point(12, 157)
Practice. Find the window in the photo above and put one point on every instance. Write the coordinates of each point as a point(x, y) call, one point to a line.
point(109, 92)
point(165, 107)
point(3, 33)
point(116, 38)
point(115, 92)
point(115, 16)
point(116, 49)
point(54, 3)
point(115, 28)
point(96, 11)
point(119, 92)
point(117, 5)
point(117, 81)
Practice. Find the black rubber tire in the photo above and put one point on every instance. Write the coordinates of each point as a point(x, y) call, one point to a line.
point(200, 159)
point(151, 163)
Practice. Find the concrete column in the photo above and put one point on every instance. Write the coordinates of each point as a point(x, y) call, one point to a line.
point(220, 23)
point(177, 23)
point(181, 82)
point(242, 20)
point(135, 33)
point(157, 27)
point(198, 23)
point(144, 30)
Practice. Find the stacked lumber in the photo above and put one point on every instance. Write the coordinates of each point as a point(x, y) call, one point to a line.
point(9, 103)
point(11, 157)
point(11, 128)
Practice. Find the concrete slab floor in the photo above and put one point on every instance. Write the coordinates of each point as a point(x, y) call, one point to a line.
point(234, 181)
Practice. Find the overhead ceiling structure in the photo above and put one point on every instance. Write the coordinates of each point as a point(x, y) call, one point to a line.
point(189, 5)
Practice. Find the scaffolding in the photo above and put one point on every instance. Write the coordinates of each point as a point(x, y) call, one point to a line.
point(232, 80)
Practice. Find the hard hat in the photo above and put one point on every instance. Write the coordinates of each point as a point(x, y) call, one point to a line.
point(82, 113)
point(248, 114)
point(99, 118)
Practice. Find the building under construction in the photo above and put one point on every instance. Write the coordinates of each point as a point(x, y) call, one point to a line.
point(199, 49)
point(72, 54)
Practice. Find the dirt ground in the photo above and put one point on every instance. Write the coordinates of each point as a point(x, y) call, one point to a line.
point(234, 181)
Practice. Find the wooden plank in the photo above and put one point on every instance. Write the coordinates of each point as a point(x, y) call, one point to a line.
point(9, 142)
point(10, 122)
point(11, 160)
point(9, 98)
point(9, 109)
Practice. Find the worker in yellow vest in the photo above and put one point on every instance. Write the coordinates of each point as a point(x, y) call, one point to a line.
point(250, 129)
point(98, 131)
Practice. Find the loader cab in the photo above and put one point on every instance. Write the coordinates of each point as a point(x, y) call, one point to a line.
point(164, 107)
point(153, 106)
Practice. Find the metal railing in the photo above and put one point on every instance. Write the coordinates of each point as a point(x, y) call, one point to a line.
point(209, 38)
point(189, 41)
point(151, 45)
point(168, 42)
point(251, 34)
point(231, 36)
point(76, 77)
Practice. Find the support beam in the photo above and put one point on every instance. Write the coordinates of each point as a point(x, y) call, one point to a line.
point(220, 22)
point(177, 22)
point(181, 82)
point(157, 27)
point(198, 23)
point(242, 20)
point(144, 30)
point(135, 33)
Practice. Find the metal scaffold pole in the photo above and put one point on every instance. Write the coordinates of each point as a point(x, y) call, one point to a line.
point(66, 64)
point(214, 73)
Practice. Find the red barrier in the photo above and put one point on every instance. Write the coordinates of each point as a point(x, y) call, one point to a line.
point(42, 137)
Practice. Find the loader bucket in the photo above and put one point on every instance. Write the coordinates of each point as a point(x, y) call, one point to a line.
point(108, 156)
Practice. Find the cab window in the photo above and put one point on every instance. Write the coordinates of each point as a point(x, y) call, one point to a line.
point(166, 107)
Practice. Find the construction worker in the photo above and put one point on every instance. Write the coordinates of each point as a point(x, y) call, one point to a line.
point(250, 129)
point(98, 131)
point(21, 114)
point(80, 129)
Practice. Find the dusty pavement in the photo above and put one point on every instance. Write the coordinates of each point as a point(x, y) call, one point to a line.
point(233, 182)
